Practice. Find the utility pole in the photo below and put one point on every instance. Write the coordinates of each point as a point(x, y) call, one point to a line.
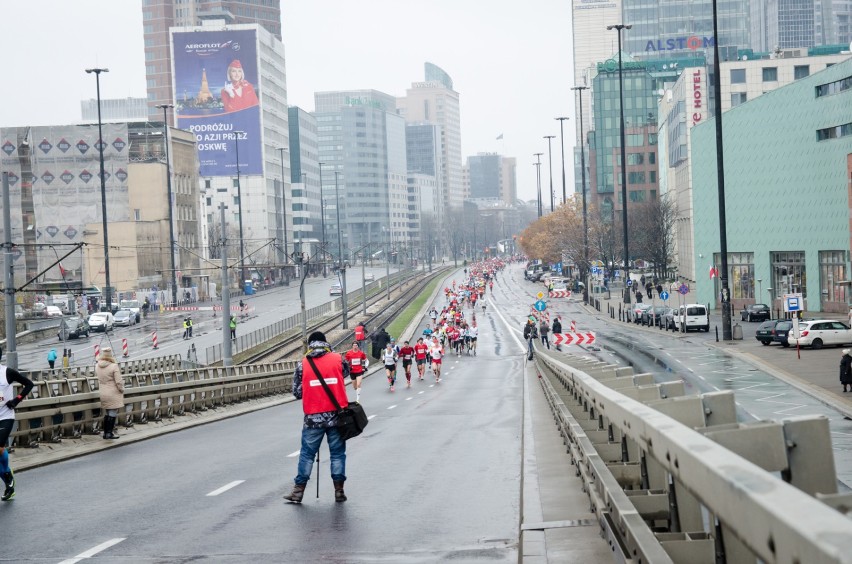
point(227, 355)
point(387, 262)
point(8, 278)
point(304, 263)
point(550, 164)
point(341, 264)
point(165, 108)
point(363, 277)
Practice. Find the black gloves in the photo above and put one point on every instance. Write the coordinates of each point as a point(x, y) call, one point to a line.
point(13, 403)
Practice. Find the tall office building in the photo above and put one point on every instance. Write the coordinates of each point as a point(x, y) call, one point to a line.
point(160, 15)
point(362, 139)
point(304, 177)
point(424, 158)
point(788, 24)
point(435, 101)
point(230, 90)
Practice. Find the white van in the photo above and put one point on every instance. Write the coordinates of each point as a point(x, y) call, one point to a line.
point(692, 316)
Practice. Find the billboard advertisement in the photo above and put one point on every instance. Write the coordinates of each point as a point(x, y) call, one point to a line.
point(217, 97)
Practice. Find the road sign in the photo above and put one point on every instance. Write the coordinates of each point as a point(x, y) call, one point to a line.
point(793, 303)
point(540, 305)
point(560, 294)
point(664, 295)
point(574, 338)
point(539, 295)
point(683, 289)
point(630, 283)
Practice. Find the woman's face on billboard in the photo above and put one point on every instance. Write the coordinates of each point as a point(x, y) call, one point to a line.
point(235, 73)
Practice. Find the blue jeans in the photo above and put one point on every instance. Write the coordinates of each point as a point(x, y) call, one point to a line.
point(311, 440)
point(530, 342)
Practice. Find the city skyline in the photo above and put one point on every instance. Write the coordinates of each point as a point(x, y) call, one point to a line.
point(519, 106)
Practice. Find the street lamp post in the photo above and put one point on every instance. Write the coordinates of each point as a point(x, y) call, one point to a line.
point(322, 221)
point(165, 108)
point(537, 165)
point(760, 290)
point(626, 278)
point(282, 150)
point(240, 200)
point(562, 145)
point(103, 187)
point(550, 164)
point(580, 89)
point(341, 265)
point(727, 334)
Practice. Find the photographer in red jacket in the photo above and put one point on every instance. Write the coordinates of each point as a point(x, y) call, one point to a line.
point(320, 413)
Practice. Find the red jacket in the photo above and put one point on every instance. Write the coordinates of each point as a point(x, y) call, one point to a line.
point(407, 353)
point(314, 397)
point(356, 361)
point(359, 333)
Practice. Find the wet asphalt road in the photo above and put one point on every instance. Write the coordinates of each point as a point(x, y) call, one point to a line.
point(435, 477)
point(702, 368)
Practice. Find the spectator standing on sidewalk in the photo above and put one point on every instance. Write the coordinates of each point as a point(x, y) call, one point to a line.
point(530, 334)
point(544, 331)
point(846, 369)
point(51, 358)
point(233, 325)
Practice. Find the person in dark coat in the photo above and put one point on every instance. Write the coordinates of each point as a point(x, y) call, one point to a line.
point(380, 341)
point(846, 369)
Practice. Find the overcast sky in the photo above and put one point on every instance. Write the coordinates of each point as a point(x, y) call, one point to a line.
point(510, 62)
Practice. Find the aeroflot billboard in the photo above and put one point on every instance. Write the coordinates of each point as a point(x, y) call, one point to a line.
point(680, 43)
point(217, 97)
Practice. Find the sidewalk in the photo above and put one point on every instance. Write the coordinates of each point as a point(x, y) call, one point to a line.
point(814, 372)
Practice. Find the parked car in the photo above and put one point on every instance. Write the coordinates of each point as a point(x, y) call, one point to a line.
point(822, 332)
point(652, 316)
point(369, 277)
point(766, 332)
point(692, 316)
point(124, 318)
point(102, 321)
point(781, 333)
point(38, 309)
point(637, 310)
point(75, 327)
point(52, 311)
point(335, 290)
point(756, 312)
point(134, 306)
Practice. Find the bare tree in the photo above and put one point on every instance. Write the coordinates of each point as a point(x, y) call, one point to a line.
point(652, 231)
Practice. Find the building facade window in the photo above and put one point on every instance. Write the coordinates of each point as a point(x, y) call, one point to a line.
point(801, 71)
point(832, 271)
point(770, 74)
point(834, 132)
point(788, 273)
point(738, 76)
point(834, 87)
point(738, 98)
point(740, 274)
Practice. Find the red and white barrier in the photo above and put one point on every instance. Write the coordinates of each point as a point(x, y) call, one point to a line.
point(559, 294)
point(97, 352)
point(573, 326)
point(125, 351)
point(154, 339)
point(574, 338)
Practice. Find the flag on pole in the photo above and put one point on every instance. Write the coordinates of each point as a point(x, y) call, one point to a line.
point(499, 137)
point(62, 271)
point(714, 272)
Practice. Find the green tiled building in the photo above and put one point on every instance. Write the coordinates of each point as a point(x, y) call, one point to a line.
point(788, 161)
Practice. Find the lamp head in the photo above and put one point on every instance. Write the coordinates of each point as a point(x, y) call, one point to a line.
point(96, 71)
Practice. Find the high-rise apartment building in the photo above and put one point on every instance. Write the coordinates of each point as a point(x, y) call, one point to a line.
point(304, 176)
point(435, 101)
point(361, 138)
point(160, 15)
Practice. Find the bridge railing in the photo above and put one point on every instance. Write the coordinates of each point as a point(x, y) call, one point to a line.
point(678, 479)
point(71, 407)
point(157, 364)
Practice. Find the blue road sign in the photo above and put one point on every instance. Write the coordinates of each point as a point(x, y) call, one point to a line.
point(630, 283)
point(683, 290)
point(664, 295)
point(540, 305)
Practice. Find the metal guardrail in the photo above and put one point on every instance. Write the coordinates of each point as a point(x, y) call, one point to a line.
point(71, 407)
point(157, 364)
point(248, 341)
point(676, 479)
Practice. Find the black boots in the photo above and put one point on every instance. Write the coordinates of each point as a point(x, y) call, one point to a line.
point(109, 427)
point(296, 495)
point(338, 492)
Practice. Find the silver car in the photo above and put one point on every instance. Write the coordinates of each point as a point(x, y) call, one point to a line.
point(124, 318)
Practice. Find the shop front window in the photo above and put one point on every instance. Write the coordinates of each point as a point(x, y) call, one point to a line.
point(740, 274)
point(788, 273)
point(832, 271)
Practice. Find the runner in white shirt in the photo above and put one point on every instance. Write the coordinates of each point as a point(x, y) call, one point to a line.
point(474, 333)
point(390, 358)
point(437, 352)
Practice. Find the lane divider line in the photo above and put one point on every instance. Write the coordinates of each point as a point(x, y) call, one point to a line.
point(93, 551)
point(292, 454)
point(409, 399)
point(391, 407)
point(420, 392)
point(225, 488)
point(371, 417)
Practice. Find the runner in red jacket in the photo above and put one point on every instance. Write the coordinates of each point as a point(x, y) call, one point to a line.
point(407, 355)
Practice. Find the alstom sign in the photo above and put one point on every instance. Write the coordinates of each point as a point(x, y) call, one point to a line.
point(693, 42)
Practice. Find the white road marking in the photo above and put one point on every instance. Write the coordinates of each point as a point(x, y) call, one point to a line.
point(225, 488)
point(370, 417)
point(700, 376)
point(92, 551)
point(292, 454)
point(420, 392)
point(391, 407)
point(409, 399)
point(431, 385)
